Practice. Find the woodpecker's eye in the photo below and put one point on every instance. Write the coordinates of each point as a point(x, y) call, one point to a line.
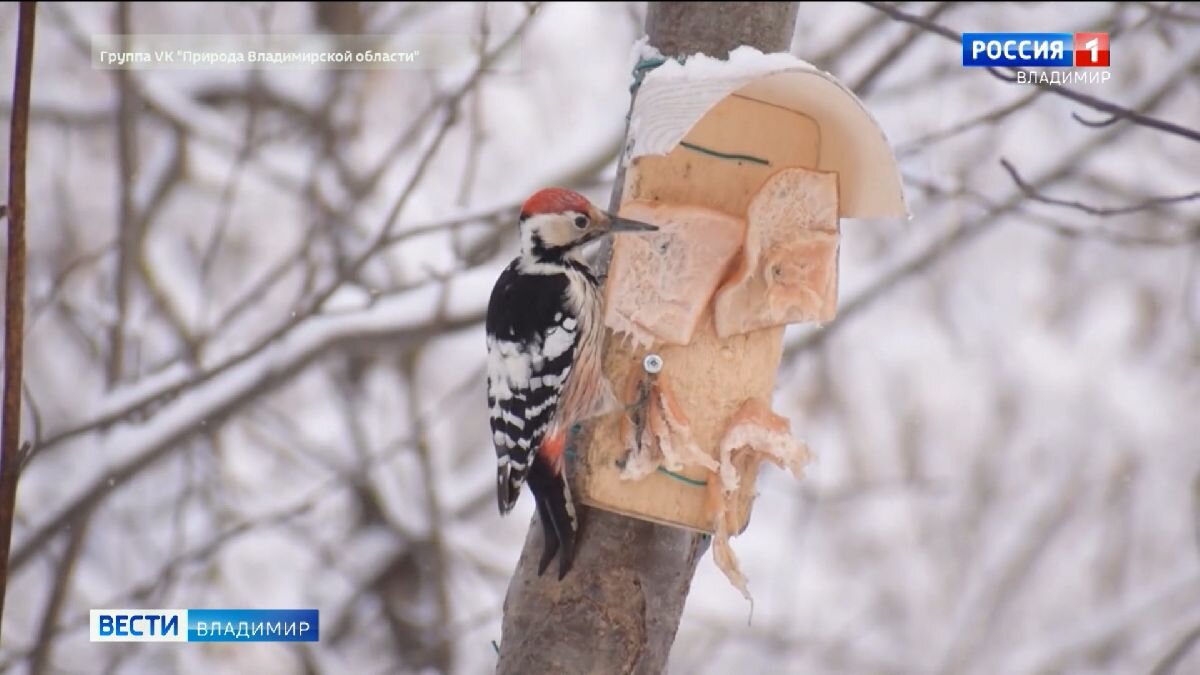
point(581, 222)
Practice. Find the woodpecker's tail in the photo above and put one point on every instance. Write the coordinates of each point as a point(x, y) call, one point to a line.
point(511, 470)
point(548, 481)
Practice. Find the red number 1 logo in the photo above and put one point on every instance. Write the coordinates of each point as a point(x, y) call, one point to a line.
point(1091, 50)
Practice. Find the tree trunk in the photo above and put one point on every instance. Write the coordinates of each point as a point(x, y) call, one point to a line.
point(618, 609)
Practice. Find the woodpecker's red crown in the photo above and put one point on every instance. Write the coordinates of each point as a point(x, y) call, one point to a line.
point(555, 200)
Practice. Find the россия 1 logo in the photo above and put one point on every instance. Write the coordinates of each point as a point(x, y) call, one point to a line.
point(1046, 50)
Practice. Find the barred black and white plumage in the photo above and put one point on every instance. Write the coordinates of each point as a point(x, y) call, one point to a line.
point(532, 337)
point(544, 338)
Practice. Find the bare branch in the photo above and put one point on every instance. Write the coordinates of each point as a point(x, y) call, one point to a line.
point(922, 143)
point(1150, 203)
point(39, 658)
point(1064, 229)
point(129, 222)
point(396, 319)
point(11, 454)
point(890, 55)
point(1099, 124)
point(443, 654)
point(314, 306)
point(1171, 660)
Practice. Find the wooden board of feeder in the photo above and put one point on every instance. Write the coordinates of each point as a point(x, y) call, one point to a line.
point(721, 164)
point(693, 173)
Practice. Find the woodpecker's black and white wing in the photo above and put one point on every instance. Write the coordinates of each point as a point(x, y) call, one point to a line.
point(531, 339)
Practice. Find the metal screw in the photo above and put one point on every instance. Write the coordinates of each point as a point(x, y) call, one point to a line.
point(653, 364)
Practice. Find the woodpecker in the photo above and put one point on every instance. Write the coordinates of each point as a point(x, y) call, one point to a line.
point(544, 338)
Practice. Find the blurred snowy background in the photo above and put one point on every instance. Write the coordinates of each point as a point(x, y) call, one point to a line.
point(255, 349)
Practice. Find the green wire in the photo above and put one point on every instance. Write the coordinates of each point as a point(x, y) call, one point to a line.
point(671, 474)
point(682, 478)
point(644, 66)
point(639, 73)
point(723, 155)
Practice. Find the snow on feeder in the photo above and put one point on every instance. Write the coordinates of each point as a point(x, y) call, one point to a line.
point(746, 166)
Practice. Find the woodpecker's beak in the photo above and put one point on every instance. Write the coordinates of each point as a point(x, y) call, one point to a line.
point(618, 224)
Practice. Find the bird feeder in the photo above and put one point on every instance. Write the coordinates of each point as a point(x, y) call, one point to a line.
point(746, 165)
